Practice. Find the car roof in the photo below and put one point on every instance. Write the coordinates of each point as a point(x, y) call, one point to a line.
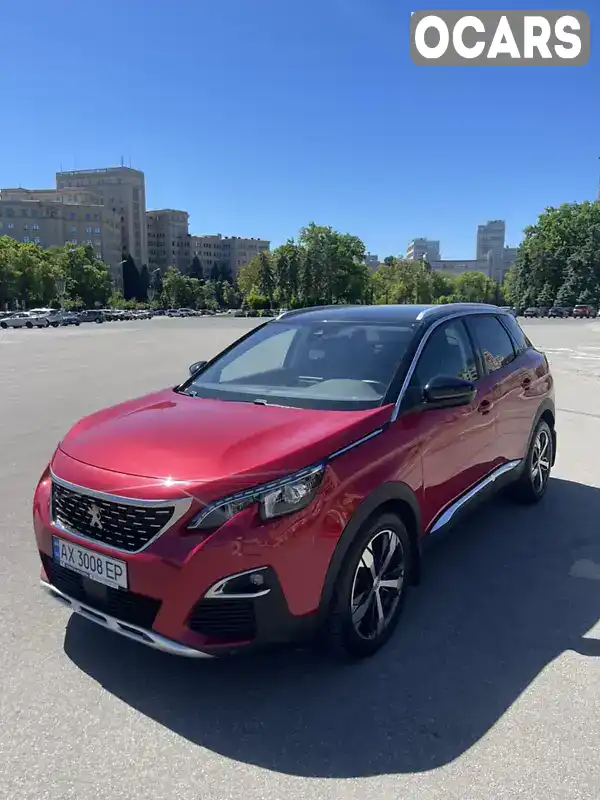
point(386, 314)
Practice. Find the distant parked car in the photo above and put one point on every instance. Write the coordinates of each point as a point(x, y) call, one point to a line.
point(92, 315)
point(24, 319)
point(532, 312)
point(558, 311)
point(59, 318)
point(584, 311)
point(508, 309)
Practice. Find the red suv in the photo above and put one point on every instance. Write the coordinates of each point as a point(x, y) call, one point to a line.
point(285, 489)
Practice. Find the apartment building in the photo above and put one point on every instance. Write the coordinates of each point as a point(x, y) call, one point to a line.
point(168, 239)
point(372, 262)
point(122, 191)
point(423, 248)
point(54, 223)
point(232, 251)
point(490, 239)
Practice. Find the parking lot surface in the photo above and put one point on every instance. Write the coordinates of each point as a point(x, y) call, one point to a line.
point(490, 688)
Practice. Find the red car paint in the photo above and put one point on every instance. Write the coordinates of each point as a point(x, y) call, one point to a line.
point(169, 446)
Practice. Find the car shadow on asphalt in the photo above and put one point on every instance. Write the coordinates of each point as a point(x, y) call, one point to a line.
point(501, 598)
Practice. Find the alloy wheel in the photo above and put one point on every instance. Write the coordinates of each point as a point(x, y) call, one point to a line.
point(540, 460)
point(377, 585)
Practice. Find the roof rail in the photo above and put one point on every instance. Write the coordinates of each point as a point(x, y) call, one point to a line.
point(294, 312)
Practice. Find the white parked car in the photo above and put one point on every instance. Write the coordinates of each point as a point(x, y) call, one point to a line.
point(25, 319)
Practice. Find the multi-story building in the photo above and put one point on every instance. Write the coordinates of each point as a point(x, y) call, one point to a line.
point(490, 239)
point(80, 196)
point(423, 248)
point(233, 252)
point(509, 257)
point(372, 261)
point(456, 266)
point(122, 191)
point(54, 223)
point(168, 240)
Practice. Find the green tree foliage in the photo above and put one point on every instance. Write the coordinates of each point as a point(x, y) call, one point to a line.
point(196, 270)
point(131, 279)
point(559, 258)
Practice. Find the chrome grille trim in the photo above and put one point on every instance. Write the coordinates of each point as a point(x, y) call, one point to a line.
point(180, 508)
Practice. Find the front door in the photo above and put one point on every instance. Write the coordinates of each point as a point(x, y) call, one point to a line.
point(458, 446)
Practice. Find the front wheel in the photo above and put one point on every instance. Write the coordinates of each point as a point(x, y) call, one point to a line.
point(532, 485)
point(29, 324)
point(370, 589)
point(3, 325)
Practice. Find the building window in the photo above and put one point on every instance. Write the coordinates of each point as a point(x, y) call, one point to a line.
point(88, 241)
point(74, 229)
point(10, 212)
point(23, 212)
point(35, 227)
point(72, 215)
point(88, 230)
point(11, 225)
point(96, 230)
point(96, 217)
point(87, 217)
point(37, 240)
point(26, 239)
point(26, 227)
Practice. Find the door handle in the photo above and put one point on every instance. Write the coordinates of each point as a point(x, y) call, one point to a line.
point(485, 407)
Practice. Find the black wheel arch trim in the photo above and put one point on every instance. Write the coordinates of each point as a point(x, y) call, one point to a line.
point(386, 493)
point(545, 405)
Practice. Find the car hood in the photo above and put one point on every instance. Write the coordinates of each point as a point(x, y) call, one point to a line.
point(167, 435)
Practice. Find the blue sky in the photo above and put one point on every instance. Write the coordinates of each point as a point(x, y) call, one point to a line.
point(258, 116)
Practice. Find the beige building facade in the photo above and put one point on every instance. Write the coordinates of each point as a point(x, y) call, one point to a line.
point(54, 223)
point(232, 251)
point(122, 191)
point(168, 240)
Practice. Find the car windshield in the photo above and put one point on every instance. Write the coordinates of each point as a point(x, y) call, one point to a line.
point(308, 364)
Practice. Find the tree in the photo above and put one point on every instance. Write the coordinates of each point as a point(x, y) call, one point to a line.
point(560, 255)
point(131, 279)
point(248, 276)
point(266, 283)
point(546, 297)
point(143, 285)
point(196, 270)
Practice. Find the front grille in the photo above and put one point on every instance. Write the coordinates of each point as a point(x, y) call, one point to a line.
point(136, 609)
point(228, 620)
point(122, 525)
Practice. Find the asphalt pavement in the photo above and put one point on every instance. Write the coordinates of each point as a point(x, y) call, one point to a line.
point(490, 689)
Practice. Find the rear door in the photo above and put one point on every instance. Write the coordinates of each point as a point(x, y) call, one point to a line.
point(458, 446)
point(509, 376)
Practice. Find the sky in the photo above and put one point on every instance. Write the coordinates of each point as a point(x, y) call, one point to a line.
point(259, 116)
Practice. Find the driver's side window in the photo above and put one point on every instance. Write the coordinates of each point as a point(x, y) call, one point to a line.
point(448, 353)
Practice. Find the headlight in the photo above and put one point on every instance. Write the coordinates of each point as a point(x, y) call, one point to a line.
point(276, 499)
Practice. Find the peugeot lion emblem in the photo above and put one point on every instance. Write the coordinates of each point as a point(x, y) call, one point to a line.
point(94, 513)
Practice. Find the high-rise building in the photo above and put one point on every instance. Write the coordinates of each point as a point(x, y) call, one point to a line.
point(46, 219)
point(233, 252)
point(372, 262)
point(423, 248)
point(490, 239)
point(509, 257)
point(168, 240)
point(123, 191)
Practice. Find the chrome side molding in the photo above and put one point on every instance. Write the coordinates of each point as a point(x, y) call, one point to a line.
point(447, 515)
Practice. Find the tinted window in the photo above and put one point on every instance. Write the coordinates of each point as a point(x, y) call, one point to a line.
point(309, 364)
point(515, 330)
point(448, 353)
point(493, 340)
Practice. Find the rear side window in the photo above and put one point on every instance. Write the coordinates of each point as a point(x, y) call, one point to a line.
point(521, 341)
point(494, 342)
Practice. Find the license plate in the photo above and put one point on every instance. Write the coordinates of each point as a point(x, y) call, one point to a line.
point(98, 567)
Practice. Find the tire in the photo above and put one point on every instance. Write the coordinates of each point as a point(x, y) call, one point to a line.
point(55, 324)
point(29, 324)
point(77, 324)
point(3, 325)
point(353, 635)
point(528, 489)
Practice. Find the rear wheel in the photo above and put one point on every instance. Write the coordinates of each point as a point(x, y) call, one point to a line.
point(3, 325)
point(29, 324)
point(370, 589)
point(532, 485)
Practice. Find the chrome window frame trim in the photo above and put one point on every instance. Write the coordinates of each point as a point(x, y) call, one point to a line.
point(181, 507)
point(492, 311)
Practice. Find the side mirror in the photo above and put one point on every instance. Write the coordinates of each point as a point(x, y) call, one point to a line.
point(197, 366)
point(444, 391)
